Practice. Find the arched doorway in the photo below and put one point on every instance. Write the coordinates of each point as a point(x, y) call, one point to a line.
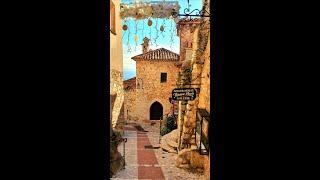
point(156, 111)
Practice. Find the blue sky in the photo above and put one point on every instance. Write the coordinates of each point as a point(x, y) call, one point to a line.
point(139, 28)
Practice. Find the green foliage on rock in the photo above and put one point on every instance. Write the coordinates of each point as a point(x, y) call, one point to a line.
point(169, 125)
point(187, 75)
point(164, 130)
point(116, 138)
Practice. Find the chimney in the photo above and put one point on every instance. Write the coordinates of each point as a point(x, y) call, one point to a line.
point(145, 45)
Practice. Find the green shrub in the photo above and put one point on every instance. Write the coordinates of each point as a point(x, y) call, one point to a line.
point(164, 130)
point(169, 125)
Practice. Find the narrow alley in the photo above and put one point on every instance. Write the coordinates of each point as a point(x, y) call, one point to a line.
point(145, 159)
point(169, 52)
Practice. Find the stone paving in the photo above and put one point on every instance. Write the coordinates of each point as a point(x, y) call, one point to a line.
point(144, 163)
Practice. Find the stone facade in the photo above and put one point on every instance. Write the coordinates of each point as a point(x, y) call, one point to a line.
point(152, 89)
point(148, 87)
point(185, 30)
point(194, 55)
point(117, 94)
point(204, 96)
point(199, 63)
point(130, 99)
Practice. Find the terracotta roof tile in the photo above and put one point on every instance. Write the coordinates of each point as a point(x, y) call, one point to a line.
point(158, 54)
point(129, 84)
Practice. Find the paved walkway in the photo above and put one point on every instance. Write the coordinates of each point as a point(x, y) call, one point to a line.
point(143, 162)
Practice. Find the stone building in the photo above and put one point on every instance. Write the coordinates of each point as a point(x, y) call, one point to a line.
point(147, 95)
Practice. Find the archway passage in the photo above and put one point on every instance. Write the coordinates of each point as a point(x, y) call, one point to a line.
point(156, 111)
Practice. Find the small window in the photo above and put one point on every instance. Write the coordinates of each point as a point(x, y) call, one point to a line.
point(163, 77)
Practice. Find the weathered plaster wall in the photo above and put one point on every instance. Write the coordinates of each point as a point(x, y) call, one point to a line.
point(116, 41)
point(116, 71)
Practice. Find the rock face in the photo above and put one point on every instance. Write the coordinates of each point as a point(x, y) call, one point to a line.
point(116, 160)
point(204, 96)
point(169, 142)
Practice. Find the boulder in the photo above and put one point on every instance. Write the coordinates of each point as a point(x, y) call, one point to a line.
point(169, 142)
point(190, 159)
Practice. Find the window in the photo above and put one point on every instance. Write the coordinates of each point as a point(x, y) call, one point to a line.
point(112, 18)
point(163, 77)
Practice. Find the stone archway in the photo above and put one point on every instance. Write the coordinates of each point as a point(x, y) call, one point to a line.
point(156, 111)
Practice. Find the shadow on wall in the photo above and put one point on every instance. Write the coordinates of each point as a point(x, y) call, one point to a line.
point(121, 115)
point(112, 100)
point(121, 119)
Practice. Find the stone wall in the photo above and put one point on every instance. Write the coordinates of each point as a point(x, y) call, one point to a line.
point(130, 104)
point(186, 32)
point(116, 91)
point(204, 97)
point(200, 78)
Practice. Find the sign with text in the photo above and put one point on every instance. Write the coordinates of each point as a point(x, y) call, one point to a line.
point(184, 94)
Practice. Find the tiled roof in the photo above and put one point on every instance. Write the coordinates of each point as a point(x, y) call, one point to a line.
point(129, 84)
point(158, 54)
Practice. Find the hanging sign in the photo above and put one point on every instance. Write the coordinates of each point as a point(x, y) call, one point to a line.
point(184, 94)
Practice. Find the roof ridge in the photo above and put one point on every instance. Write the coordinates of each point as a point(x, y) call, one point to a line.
point(158, 54)
point(130, 79)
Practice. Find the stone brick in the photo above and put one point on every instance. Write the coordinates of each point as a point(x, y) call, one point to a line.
point(116, 89)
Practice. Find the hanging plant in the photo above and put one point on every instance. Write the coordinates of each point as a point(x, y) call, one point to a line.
point(149, 22)
point(125, 27)
point(161, 28)
point(155, 10)
point(135, 38)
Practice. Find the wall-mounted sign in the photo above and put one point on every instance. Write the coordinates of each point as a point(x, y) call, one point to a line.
point(183, 94)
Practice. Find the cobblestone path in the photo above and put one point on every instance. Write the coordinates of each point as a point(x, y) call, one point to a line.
point(148, 163)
